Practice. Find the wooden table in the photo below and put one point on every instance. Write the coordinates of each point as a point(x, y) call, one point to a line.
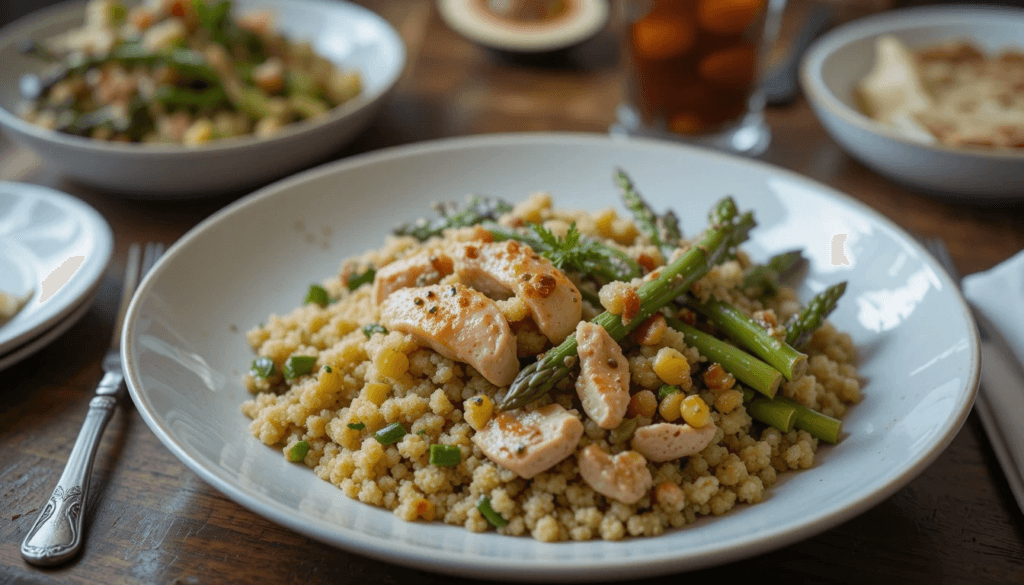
point(151, 520)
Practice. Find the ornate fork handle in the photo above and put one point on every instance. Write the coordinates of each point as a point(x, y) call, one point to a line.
point(57, 534)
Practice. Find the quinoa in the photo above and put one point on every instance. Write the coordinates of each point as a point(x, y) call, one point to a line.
point(364, 380)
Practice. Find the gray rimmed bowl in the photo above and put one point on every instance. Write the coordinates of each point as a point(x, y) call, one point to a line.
point(348, 35)
point(840, 59)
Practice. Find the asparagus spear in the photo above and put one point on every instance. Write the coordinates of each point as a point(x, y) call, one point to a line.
point(745, 367)
point(727, 229)
point(800, 327)
point(774, 413)
point(819, 425)
point(642, 213)
point(752, 336)
point(765, 277)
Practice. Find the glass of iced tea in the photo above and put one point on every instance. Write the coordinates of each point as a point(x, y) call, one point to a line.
point(693, 71)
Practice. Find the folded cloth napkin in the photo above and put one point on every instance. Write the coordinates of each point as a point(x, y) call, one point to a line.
point(998, 299)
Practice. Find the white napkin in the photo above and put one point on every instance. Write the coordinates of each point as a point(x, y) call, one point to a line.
point(998, 299)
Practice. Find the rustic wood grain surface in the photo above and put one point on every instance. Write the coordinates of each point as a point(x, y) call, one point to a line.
point(151, 520)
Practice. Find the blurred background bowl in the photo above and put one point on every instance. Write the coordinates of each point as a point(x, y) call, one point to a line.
point(348, 35)
point(837, 62)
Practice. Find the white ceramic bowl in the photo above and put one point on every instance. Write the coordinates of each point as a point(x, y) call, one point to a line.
point(840, 59)
point(185, 352)
point(348, 35)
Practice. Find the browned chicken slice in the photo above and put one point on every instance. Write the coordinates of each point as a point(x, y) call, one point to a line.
point(624, 477)
point(530, 442)
point(458, 323)
point(510, 267)
point(603, 384)
point(416, 270)
point(668, 441)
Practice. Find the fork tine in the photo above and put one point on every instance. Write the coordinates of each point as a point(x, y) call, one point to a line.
point(153, 252)
point(134, 272)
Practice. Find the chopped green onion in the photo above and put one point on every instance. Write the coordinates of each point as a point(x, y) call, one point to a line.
point(118, 13)
point(422, 432)
point(445, 455)
point(357, 280)
point(666, 390)
point(298, 365)
point(369, 330)
point(318, 294)
point(262, 368)
point(329, 369)
point(484, 506)
point(356, 426)
point(390, 434)
point(298, 451)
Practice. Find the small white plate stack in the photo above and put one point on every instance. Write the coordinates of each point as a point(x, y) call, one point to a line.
point(54, 248)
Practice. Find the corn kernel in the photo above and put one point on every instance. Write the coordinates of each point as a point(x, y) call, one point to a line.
point(514, 309)
point(728, 401)
point(478, 411)
point(613, 297)
point(603, 220)
point(643, 403)
point(671, 367)
point(392, 363)
point(330, 380)
point(695, 412)
point(716, 378)
point(376, 392)
point(199, 132)
point(669, 409)
point(651, 331)
point(624, 231)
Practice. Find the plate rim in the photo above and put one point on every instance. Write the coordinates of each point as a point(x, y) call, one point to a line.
point(541, 569)
point(89, 274)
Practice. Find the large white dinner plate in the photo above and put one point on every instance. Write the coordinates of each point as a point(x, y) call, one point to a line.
point(52, 245)
point(184, 348)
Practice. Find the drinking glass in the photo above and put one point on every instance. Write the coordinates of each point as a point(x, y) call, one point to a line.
point(693, 71)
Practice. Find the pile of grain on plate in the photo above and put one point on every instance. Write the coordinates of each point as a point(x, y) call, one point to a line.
point(364, 381)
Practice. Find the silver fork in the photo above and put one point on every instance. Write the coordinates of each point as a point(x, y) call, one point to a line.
point(56, 535)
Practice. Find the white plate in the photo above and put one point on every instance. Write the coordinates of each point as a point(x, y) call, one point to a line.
point(581, 20)
point(53, 245)
point(35, 344)
point(837, 62)
point(184, 348)
point(349, 35)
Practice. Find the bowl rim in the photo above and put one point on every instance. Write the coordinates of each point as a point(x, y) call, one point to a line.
point(893, 22)
point(21, 28)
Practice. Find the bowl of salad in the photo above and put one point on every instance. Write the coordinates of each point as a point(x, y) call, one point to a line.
point(184, 98)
